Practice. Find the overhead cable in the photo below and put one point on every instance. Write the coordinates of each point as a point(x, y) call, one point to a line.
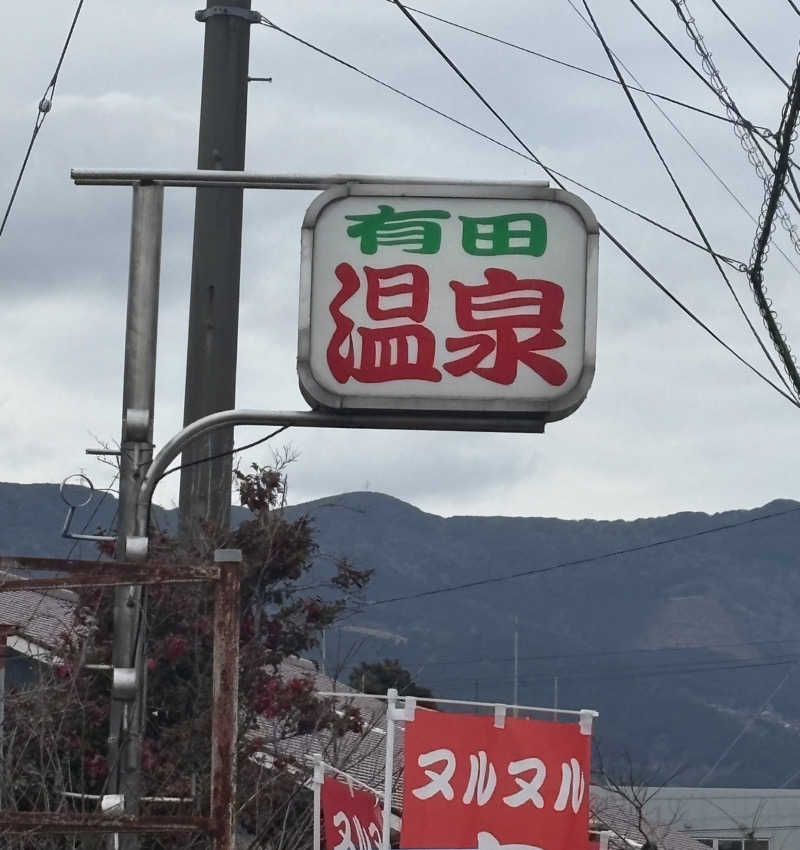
point(715, 84)
point(43, 110)
point(227, 453)
point(637, 672)
point(555, 175)
point(628, 254)
point(564, 64)
point(686, 204)
point(712, 80)
point(748, 42)
point(763, 133)
point(750, 136)
point(747, 138)
point(580, 562)
point(737, 265)
point(773, 693)
point(596, 653)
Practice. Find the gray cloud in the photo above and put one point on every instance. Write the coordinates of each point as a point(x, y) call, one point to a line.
point(672, 421)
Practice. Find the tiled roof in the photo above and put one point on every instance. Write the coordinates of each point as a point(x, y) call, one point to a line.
point(40, 617)
point(359, 754)
point(612, 812)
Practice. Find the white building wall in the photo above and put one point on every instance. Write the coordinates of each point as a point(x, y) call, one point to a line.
point(731, 815)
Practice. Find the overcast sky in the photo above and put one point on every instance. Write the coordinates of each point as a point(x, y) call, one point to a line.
point(672, 422)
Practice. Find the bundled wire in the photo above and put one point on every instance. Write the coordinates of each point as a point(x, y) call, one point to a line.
point(786, 135)
point(746, 135)
point(685, 202)
point(762, 132)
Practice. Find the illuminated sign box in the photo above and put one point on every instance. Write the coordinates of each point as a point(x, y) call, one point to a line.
point(448, 298)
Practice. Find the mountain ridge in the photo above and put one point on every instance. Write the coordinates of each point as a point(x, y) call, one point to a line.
point(678, 644)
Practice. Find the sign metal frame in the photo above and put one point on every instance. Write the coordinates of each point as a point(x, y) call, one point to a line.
point(349, 400)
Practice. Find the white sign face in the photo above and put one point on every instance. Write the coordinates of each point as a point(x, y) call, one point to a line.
point(447, 298)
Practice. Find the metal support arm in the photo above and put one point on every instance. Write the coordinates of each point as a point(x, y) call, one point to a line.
point(524, 423)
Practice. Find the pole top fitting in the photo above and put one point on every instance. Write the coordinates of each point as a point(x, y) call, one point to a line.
point(202, 15)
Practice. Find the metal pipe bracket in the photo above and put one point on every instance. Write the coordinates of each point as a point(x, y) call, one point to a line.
point(136, 424)
point(202, 15)
point(123, 685)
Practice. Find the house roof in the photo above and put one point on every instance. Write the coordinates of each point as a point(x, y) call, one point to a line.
point(611, 812)
point(39, 617)
point(360, 754)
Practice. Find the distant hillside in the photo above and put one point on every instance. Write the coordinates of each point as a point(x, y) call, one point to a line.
point(679, 646)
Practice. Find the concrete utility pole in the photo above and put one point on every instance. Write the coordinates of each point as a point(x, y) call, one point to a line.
point(205, 491)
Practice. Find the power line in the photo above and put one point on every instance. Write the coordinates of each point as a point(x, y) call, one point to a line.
point(744, 129)
point(555, 175)
point(746, 726)
point(749, 134)
point(720, 91)
point(640, 672)
point(637, 88)
point(634, 673)
point(672, 670)
point(749, 43)
point(579, 562)
point(589, 653)
point(746, 132)
point(564, 64)
point(43, 110)
point(645, 271)
point(738, 265)
point(687, 205)
point(232, 451)
point(763, 132)
point(602, 229)
point(747, 138)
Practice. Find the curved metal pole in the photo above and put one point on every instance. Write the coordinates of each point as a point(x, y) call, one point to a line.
point(521, 423)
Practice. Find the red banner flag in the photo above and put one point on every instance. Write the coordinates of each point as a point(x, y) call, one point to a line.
point(353, 819)
point(470, 784)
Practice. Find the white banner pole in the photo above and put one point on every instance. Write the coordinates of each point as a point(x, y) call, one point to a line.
point(391, 702)
point(318, 779)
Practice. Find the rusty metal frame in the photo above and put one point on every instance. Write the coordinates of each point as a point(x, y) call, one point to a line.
point(225, 573)
point(101, 573)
